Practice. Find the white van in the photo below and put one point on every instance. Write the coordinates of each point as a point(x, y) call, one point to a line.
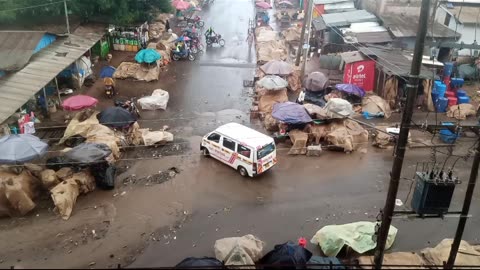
point(246, 150)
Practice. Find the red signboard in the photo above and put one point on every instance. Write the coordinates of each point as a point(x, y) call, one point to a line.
point(360, 73)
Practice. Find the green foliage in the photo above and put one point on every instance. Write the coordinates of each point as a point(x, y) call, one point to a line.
point(122, 12)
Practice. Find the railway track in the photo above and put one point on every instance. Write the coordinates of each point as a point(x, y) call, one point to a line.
point(50, 134)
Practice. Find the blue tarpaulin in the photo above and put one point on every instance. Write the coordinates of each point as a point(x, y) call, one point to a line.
point(147, 56)
point(46, 40)
point(107, 72)
point(290, 113)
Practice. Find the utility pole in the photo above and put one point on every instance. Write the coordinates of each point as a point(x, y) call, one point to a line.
point(305, 53)
point(466, 207)
point(400, 148)
point(302, 34)
point(66, 16)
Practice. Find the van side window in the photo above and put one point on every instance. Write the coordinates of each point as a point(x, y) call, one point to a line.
point(214, 137)
point(244, 151)
point(229, 144)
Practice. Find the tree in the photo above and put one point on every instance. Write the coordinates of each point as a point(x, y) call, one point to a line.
point(122, 12)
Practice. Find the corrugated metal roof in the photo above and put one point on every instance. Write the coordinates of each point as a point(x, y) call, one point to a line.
point(407, 26)
point(393, 62)
point(371, 37)
point(347, 18)
point(340, 7)
point(324, 2)
point(319, 24)
point(17, 47)
point(17, 88)
point(351, 57)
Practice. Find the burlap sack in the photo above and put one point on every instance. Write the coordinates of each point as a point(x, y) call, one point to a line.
point(49, 179)
point(299, 140)
point(17, 193)
point(85, 181)
point(270, 123)
point(64, 173)
point(265, 103)
point(461, 111)
point(64, 196)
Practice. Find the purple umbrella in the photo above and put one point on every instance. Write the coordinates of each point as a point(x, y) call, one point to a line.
point(290, 113)
point(351, 89)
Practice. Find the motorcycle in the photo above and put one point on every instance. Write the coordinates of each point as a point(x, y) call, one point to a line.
point(215, 39)
point(109, 91)
point(129, 105)
point(185, 54)
point(196, 46)
point(197, 21)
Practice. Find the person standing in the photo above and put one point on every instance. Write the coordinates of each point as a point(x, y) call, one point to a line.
point(167, 25)
point(250, 39)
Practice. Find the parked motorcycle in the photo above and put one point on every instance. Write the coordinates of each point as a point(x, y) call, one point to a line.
point(185, 54)
point(109, 91)
point(197, 21)
point(215, 39)
point(196, 46)
point(129, 105)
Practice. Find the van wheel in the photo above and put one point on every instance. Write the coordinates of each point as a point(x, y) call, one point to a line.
point(205, 152)
point(243, 172)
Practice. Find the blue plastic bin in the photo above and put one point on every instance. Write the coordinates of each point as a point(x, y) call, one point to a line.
point(448, 136)
point(461, 93)
point(441, 104)
point(457, 82)
point(448, 69)
point(463, 100)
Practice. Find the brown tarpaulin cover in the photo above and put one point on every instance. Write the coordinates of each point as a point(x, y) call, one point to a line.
point(265, 103)
point(137, 71)
point(49, 179)
point(64, 196)
point(461, 111)
point(17, 193)
point(270, 123)
point(271, 50)
point(347, 134)
point(391, 91)
point(102, 134)
point(467, 254)
point(299, 140)
point(78, 127)
point(374, 104)
point(396, 258)
point(294, 81)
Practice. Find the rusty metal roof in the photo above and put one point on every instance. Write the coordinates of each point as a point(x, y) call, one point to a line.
point(17, 47)
point(407, 26)
point(17, 88)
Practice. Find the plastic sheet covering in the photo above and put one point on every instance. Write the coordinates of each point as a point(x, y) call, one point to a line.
point(79, 127)
point(374, 104)
point(157, 101)
point(467, 254)
point(357, 235)
point(89, 153)
point(245, 250)
point(204, 262)
point(338, 108)
point(287, 254)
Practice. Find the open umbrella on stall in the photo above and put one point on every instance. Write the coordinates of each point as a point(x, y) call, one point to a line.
point(351, 89)
point(182, 39)
point(277, 67)
point(116, 117)
point(290, 113)
point(20, 148)
point(107, 72)
point(316, 81)
point(88, 153)
point(285, 3)
point(180, 5)
point(272, 82)
point(147, 56)
point(263, 5)
point(79, 102)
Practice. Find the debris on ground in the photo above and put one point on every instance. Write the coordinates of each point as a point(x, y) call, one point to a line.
point(158, 178)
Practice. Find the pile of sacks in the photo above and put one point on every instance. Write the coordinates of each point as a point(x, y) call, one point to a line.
point(65, 186)
point(18, 191)
point(137, 71)
point(268, 46)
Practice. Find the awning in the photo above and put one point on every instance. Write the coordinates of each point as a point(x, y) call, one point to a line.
point(17, 88)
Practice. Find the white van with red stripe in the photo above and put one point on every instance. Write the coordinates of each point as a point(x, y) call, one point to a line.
point(242, 148)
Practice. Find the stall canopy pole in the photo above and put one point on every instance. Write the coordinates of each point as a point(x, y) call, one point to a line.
point(46, 100)
point(58, 91)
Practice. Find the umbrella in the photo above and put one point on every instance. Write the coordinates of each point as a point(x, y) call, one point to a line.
point(116, 117)
point(285, 2)
point(277, 67)
point(181, 5)
point(79, 102)
point(147, 56)
point(263, 5)
point(19, 148)
point(107, 72)
point(290, 113)
point(351, 89)
point(182, 38)
point(316, 81)
point(88, 152)
point(272, 82)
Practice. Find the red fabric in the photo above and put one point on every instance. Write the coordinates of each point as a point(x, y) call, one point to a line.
point(79, 102)
point(302, 242)
point(452, 101)
point(360, 73)
point(319, 9)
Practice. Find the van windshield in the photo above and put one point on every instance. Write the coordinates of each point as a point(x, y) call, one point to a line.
point(265, 151)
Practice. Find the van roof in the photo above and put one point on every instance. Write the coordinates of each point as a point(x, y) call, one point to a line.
point(244, 135)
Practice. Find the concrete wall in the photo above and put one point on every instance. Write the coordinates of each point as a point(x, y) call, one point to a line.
point(378, 7)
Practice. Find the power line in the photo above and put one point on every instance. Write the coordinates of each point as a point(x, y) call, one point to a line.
point(34, 6)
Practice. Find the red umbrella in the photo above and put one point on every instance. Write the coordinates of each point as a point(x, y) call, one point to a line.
point(263, 5)
point(79, 102)
point(181, 5)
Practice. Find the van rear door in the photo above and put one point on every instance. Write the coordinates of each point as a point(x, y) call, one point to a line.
point(266, 157)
